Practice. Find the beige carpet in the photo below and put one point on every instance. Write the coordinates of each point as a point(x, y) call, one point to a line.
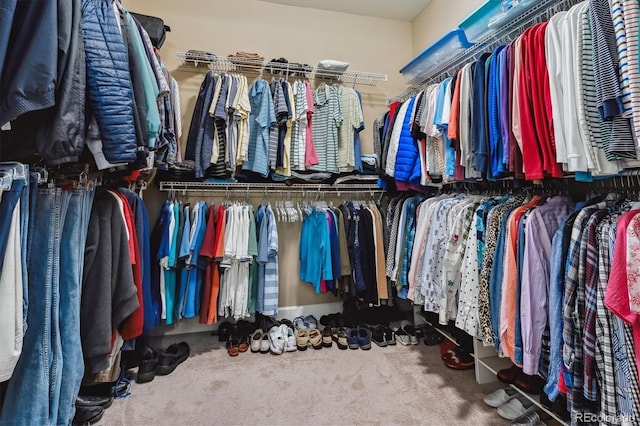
point(383, 386)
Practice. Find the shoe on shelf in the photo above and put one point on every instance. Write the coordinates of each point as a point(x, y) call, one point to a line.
point(171, 357)
point(289, 338)
point(341, 337)
point(410, 330)
point(379, 336)
point(364, 338)
point(460, 360)
point(302, 339)
point(87, 415)
point(94, 401)
point(148, 365)
point(514, 408)
point(354, 340)
point(277, 340)
point(509, 375)
point(256, 338)
point(530, 384)
point(531, 417)
point(315, 338)
point(500, 396)
point(327, 337)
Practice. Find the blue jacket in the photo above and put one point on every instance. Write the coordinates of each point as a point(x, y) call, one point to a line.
point(407, 149)
point(110, 91)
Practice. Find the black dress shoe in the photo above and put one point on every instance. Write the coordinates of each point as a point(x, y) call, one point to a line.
point(87, 415)
point(148, 365)
point(175, 355)
point(94, 401)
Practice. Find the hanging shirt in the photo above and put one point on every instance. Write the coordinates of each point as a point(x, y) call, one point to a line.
point(261, 119)
point(327, 118)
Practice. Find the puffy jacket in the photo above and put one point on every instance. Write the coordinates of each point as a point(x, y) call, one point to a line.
point(109, 83)
point(407, 149)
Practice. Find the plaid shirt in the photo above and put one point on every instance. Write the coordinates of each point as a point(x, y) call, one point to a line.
point(574, 301)
point(590, 308)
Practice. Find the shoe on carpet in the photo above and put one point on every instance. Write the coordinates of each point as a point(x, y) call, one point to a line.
point(447, 348)
point(233, 348)
point(276, 340)
point(341, 337)
point(315, 338)
point(311, 321)
point(148, 365)
point(364, 338)
point(94, 401)
point(460, 360)
point(264, 343)
point(410, 330)
point(224, 331)
point(514, 408)
point(530, 384)
point(500, 396)
point(390, 336)
point(509, 375)
point(87, 415)
point(172, 357)
point(379, 337)
point(354, 341)
point(256, 339)
point(327, 337)
point(302, 339)
point(289, 338)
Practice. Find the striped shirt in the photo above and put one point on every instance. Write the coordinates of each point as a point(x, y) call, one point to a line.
point(267, 261)
point(631, 14)
point(260, 120)
point(281, 112)
point(327, 118)
point(352, 118)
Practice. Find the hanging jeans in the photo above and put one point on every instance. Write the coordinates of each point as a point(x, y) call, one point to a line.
point(12, 255)
point(47, 378)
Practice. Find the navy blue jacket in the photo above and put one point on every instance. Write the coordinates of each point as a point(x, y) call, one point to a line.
point(110, 91)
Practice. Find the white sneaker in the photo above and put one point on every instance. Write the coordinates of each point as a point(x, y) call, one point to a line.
point(264, 343)
point(256, 340)
point(276, 340)
point(289, 338)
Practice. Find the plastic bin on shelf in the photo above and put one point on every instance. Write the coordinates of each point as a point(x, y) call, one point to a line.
point(502, 19)
point(451, 44)
point(476, 25)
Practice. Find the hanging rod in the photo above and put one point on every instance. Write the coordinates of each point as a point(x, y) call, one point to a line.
point(540, 12)
point(268, 187)
point(242, 65)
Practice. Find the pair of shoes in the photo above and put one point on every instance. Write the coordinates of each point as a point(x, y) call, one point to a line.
point(500, 396)
point(340, 335)
point(305, 323)
point(305, 338)
point(281, 339)
point(87, 415)
point(259, 341)
point(459, 360)
point(383, 336)
point(161, 362)
point(515, 407)
point(406, 333)
point(360, 337)
point(447, 348)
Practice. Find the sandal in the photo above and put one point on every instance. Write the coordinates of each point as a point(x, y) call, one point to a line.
point(340, 337)
point(232, 348)
point(302, 339)
point(315, 338)
point(327, 337)
point(243, 343)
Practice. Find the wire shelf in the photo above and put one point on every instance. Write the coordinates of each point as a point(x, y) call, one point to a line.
point(185, 187)
point(540, 12)
point(242, 65)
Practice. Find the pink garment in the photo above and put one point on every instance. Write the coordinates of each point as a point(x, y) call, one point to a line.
point(310, 155)
point(617, 294)
point(633, 266)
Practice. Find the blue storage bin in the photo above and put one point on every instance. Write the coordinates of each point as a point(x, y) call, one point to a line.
point(502, 19)
point(451, 44)
point(476, 25)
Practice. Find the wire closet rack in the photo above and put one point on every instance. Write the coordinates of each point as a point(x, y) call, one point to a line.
point(242, 65)
point(540, 12)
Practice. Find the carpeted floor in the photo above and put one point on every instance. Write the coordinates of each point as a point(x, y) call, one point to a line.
point(385, 386)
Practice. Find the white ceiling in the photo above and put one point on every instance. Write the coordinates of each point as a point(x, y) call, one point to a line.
point(402, 10)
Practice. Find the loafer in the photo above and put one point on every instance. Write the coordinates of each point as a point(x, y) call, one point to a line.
point(530, 384)
point(256, 339)
point(172, 357)
point(514, 408)
point(87, 415)
point(364, 338)
point(94, 401)
point(509, 375)
point(500, 396)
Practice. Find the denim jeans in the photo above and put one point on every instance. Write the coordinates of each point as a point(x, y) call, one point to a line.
point(47, 378)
